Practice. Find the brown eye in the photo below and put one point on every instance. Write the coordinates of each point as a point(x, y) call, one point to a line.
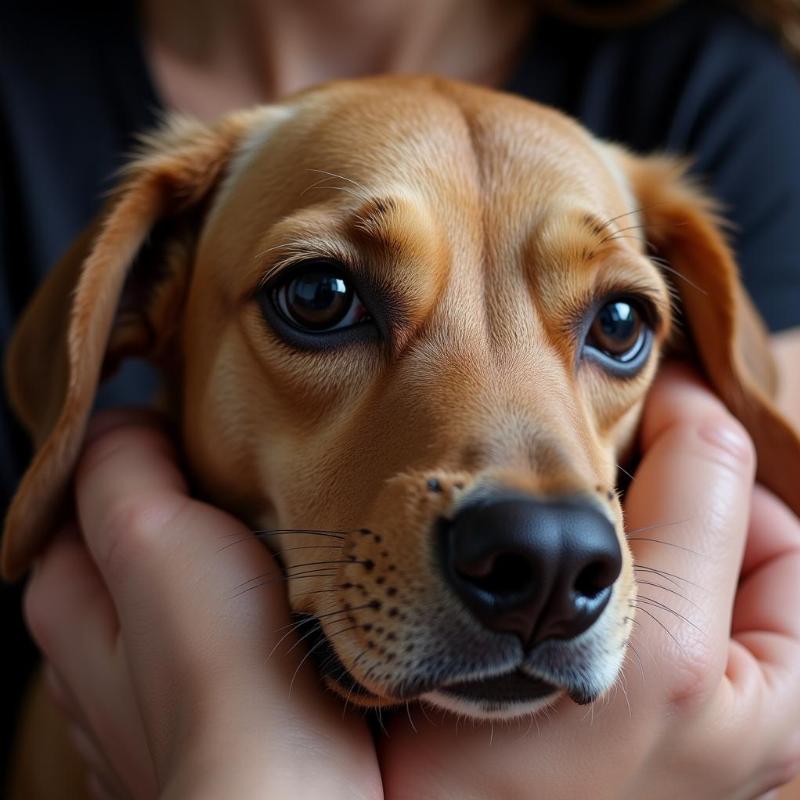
point(318, 298)
point(620, 336)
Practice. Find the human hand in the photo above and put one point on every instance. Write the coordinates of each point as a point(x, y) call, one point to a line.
point(162, 661)
point(709, 702)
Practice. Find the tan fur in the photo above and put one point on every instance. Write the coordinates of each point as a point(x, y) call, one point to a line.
point(492, 222)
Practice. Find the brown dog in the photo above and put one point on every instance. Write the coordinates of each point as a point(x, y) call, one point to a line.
point(422, 318)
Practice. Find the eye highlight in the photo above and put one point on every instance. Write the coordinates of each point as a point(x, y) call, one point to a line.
point(619, 337)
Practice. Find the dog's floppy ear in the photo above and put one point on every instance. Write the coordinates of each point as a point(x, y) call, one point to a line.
point(115, 293)
point(720, 323)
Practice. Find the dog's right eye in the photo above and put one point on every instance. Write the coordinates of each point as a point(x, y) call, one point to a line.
point(620, 338)
point(315, 299)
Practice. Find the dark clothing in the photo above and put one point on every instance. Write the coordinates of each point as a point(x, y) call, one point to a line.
point(699, 80)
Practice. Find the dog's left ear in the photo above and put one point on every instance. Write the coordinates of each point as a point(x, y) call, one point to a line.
point(719, 320)
point(119, 291)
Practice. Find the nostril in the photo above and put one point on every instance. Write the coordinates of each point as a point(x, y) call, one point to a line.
point(593, 579)
point(502, 575)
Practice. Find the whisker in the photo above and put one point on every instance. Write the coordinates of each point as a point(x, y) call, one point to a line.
point(658, 525)
point(625, 694)
point(311, 650)
point(615, 237)
point(664, 627)
point(319, 628)
point(345, 611)
point(667, 589)
point(264, 534)
point(327, 562)
point(666, 544)
point(635, 652)
point(626, 214)
point(624, 471)
point(379, 715)
point(318, 591)
point(341, 177)
point(312, 618)
point(267, 579)
point(411, 721)
point(333, 187)
point(421, 706)
point(616, 233)
point(286, 575)
point(665, 607)
point(666, 266)
point(670, 576)
point(293, 627)
point(346, 671)
point(360, 192)
point(302, 531)
point(314, 547)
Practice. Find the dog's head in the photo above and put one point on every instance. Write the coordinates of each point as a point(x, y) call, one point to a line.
point(407, 327)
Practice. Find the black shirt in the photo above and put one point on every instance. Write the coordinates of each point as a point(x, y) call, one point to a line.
point(699, 80)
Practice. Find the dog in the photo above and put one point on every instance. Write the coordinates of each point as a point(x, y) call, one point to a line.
point(416, 320)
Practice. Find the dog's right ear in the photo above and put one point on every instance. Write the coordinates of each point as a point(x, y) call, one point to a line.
point(117, 292)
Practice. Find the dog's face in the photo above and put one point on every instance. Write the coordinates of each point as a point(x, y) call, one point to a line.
point(433, 342)
point(410, 328)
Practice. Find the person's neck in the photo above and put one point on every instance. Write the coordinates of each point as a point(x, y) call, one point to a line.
point(211, 55)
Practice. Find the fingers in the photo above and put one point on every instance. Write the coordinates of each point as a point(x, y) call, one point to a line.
point(72, 619)
point(149, 539)
point(686, 517)
point(769, 594)
point(177, 569)
point(765, 651)
point(63, 589)
point(127, 478)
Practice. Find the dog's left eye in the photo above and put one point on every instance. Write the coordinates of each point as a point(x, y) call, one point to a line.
point(619, 336)
point(318, 298)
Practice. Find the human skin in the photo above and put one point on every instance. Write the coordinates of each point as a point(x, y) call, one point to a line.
point(709, 707)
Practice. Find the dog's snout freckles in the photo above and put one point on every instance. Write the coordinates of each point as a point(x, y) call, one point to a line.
point(474, 385)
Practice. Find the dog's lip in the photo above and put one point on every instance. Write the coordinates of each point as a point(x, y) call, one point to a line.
point(509, 688)
point(328, 663)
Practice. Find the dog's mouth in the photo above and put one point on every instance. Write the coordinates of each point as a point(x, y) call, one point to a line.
point(501, 690)
point(498, 691)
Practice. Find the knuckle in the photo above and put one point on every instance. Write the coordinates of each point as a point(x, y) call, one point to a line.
point(696, 678)
point(128, 531)
point(730, 442)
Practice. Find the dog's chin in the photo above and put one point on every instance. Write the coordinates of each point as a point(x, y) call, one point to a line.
point(501, 697)
point(505, 696)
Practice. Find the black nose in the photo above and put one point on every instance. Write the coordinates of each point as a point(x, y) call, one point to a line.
point(539, 569)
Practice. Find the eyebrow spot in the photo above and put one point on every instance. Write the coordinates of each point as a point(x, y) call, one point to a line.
point(373, 214)
point(594, 224)
point(376, 219)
